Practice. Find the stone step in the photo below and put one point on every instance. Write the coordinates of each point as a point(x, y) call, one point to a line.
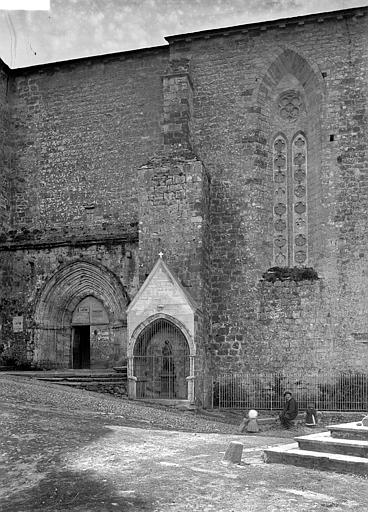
point(85, 383)
point(352, 431)
point(324, 442)
point(85, 378)
point(292, 454)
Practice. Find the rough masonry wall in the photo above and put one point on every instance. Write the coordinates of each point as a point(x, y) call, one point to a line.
point(83, 128)
point(172, 199)
point(81, 131)
point(232, 138)
point(174, 207)
point(171, 218)
point(5, 146)
point(27, 271)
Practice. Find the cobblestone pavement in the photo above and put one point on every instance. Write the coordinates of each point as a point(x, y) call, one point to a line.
point(68, 450)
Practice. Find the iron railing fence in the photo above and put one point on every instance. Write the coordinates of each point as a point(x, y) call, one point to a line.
point(327, 391)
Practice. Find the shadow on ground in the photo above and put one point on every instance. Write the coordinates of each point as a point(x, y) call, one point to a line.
point(70, 490)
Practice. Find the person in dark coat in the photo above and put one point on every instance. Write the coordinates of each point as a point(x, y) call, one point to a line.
point(289, 412)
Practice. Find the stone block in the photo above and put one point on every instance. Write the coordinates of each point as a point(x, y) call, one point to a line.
point(234, 452)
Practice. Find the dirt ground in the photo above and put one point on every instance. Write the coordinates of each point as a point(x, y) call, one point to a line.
point(61, 450)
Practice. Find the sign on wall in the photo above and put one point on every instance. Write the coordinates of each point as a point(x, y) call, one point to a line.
point(17, 323)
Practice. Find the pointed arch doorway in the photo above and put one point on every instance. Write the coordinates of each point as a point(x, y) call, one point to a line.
point(164, 327)
point(161, 361)
point(88, 319)
point(80, 318)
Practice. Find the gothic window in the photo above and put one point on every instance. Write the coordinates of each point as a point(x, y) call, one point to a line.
point(280, 201)
point(290, 222)
point(299, 199)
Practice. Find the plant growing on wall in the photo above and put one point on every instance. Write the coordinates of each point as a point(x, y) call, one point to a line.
point(290, 274)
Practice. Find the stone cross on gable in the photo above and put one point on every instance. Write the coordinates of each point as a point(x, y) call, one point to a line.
point(160, 254)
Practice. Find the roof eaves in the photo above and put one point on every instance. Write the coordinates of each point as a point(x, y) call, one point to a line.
point(105, 58)
point(270, 24)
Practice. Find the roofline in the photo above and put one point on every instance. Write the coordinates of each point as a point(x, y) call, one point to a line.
point(160, 262)
point(277, 23)
point(91, 58)
point(261, 25)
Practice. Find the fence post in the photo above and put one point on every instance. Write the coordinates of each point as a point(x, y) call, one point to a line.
point(212, 391)
point(219, 391)
point(271, 394)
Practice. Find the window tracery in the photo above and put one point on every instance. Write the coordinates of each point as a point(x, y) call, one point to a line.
point(280, 213)
point(290, 105)
point(290, 215)
point(300, 225)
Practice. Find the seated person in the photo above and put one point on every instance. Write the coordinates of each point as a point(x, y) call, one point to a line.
point(289, 412)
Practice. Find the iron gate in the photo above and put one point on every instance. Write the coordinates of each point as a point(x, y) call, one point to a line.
point(161, 362)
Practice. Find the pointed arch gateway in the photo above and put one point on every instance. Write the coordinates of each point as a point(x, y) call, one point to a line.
point(164, 324)
point(162, 359)
point(85, 303)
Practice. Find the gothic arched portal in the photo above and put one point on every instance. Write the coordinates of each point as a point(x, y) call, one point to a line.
point(61, 318)
point(161, 361)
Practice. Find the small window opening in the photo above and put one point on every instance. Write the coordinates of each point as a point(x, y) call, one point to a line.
point(332, 137)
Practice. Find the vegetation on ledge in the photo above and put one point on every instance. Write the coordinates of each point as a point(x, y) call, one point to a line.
point(290, 274)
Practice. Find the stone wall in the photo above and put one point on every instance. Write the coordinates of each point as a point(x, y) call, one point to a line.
point(181, 141)
point(29, 271)
point(236, 77)
point(171, 218)
point(83, 129)
point(296, 327)
point(173, 189)
point(5, 146)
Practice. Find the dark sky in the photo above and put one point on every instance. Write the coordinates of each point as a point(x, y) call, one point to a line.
point(77, 28)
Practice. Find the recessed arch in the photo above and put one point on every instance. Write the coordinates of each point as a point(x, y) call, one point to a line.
point(290, 100)
point(288, 61)
point(150, 320)
point(73, 282)
point(161, 358)
point(57, 301)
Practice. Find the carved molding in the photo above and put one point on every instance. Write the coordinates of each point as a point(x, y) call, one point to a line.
point(290, 105)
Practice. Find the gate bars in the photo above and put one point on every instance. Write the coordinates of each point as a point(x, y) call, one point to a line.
point(161, 362)
point(329, 391)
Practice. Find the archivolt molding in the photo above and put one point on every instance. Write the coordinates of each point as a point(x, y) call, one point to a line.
point(160, 316)
point(290, 61)
point(72, 283)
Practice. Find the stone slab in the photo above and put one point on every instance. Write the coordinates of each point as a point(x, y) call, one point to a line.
point(291, 454)
point(349, 431)
point(324, 442)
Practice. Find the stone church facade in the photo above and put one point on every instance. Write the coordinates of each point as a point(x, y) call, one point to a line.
point(144, 196)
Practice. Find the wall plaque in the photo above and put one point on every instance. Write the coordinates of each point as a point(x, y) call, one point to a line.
point(17, 323)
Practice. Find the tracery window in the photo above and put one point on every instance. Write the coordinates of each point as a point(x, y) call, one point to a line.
point(290, 215)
